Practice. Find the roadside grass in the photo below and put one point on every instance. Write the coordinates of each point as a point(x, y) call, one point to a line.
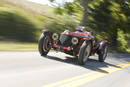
point(17, 46)
point(27, 46)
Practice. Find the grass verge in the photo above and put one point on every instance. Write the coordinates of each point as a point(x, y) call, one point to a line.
point(17, 46)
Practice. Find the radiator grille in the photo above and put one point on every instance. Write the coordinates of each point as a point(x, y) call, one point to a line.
point(65, 40)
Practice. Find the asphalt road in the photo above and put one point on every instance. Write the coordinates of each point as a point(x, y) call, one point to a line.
point(29, 69)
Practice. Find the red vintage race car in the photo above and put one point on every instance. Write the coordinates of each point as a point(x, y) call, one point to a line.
point(79, 43)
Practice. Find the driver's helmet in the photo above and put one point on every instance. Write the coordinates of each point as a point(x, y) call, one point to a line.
point(80, 28)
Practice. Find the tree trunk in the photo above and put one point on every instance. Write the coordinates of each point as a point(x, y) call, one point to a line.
point(84, 3)
point(115, 38)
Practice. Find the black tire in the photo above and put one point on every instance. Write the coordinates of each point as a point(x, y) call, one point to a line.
point(83, 53)
point(103, 54)
point(41, 45)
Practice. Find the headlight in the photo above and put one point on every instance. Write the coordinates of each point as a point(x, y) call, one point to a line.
point(55, 36)
point(75, 40)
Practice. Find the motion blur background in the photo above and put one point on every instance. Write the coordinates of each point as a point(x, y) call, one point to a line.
point(22, 21)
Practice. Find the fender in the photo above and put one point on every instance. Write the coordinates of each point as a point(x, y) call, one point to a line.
point(102, 44)
point(47, 32)
point(90, 40)
point(87, 38)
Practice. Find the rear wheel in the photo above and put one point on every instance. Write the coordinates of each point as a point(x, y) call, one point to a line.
point(103, 54)
point(84, 52)
point(44, 45)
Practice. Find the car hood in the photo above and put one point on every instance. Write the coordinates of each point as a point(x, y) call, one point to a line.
point(77, 34)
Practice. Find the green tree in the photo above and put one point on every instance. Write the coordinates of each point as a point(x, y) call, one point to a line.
point(111, 17)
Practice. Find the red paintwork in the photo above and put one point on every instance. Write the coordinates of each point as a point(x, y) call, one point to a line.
point(77, 33)
point(64, 48)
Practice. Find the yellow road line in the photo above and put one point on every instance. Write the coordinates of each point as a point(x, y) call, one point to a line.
point(69, 80)
point(82, 81)
point(85, 78)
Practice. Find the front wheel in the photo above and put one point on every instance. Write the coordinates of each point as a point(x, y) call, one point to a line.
point(84, 52)
point(103, 54)
point(44, 45)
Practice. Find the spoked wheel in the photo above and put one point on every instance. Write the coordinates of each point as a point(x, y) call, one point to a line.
point(44, 45)
point(103, 54)
point(84, 52)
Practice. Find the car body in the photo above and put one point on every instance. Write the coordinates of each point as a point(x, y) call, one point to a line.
point(79, 43)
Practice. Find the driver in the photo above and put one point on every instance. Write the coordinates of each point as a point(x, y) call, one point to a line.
point(80, 29)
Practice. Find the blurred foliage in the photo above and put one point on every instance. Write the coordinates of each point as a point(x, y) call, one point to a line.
point(63, 23)
point(71, 8)
point(23, 20)
point(108, 17)
point(21, 23)
point(16, 24)
point(122, 43)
